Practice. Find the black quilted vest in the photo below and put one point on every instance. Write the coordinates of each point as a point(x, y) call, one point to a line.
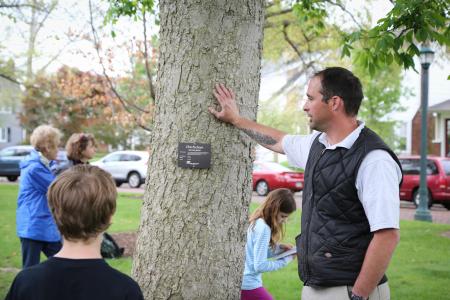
point(335, 232)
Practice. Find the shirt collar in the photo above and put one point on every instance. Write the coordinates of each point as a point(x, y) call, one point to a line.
point(345, 143)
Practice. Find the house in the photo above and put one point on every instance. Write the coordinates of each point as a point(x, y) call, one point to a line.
point(438, 135)
point(11, 133)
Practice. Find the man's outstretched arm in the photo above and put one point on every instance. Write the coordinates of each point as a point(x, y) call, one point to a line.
point(265, 136)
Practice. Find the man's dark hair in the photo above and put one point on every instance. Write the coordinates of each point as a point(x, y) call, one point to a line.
point(337, 81)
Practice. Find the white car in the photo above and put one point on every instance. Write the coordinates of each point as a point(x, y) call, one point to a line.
point(125, 166)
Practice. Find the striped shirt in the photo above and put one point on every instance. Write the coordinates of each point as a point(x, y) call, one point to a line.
point(257, 252)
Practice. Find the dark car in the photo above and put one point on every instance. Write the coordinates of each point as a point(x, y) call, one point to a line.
point(438, 179)
point(268, 176)
point(10, 157)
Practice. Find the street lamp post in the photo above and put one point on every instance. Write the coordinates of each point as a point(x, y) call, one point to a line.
point(422, 212)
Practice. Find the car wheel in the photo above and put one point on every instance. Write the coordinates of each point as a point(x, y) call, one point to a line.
point(134, 180)
point(262, 188)
point(12, 178)
point(446, 205)
point(118, 183)
point(416, 199)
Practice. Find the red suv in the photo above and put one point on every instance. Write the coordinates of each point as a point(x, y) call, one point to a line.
point(438, 179)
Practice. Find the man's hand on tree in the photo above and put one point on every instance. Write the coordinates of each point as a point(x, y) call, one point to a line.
point(229, 111)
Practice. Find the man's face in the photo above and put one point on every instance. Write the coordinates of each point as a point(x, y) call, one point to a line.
point(319, 112)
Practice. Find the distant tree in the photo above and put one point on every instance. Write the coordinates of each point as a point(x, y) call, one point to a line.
point(396, 37)
point(76, 101)
point(136, 91)
point(382, 92)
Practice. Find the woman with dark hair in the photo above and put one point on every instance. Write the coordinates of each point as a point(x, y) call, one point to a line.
point(80, 149)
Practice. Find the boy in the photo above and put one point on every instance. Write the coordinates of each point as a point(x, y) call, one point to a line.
point(82, 201)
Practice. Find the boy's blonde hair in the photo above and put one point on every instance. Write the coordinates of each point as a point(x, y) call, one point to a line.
point(77, 143)
point(45, 137)
point(82, 200)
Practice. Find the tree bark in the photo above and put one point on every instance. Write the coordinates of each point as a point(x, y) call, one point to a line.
point(193, 221)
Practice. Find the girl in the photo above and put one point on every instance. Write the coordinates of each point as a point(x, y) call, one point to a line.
point(264, 232)
point(80, 149)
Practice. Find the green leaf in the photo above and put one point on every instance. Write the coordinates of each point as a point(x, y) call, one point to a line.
point(409, 36)
point(421, 35)
point(412, 50)
point(389, 58)
point(398, 42)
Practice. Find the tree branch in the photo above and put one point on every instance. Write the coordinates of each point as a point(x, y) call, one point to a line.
point(55, 56)
point(292, 79)
point(125, 104)
point(346, 11)
point(278, 13)
point(147, 65)
point(289, 41)
point(9, 78)
point(41, 23)
point(19, 5)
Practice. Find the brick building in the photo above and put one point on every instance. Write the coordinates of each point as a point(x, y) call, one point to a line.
point(438, 130)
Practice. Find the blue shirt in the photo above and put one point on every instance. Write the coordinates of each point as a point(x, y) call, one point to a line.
point(257, 252)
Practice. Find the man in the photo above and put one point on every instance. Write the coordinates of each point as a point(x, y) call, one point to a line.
point(82, 200)
point(350, 210)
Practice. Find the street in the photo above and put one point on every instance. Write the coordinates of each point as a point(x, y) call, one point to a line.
point(407, 210)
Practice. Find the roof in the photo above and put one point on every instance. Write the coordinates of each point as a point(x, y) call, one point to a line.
point(443, 106)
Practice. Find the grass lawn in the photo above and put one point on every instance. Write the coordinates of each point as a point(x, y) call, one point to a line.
point(420, 268)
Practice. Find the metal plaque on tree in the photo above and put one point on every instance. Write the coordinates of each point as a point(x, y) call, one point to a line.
point(194, 155)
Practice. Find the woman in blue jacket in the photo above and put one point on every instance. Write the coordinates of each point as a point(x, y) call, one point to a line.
point(35, 225)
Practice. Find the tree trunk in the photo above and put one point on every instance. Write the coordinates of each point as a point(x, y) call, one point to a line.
point(193, 222)
point(31, 41)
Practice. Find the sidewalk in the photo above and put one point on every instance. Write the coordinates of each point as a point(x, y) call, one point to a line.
point(439, 214)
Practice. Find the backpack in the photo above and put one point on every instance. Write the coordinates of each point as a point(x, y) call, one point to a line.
point(109, 247)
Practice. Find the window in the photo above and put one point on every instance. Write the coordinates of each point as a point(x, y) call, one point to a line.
point(22, 152)
point(446, 166)
point(114, 157)
point(134, 158)
point(412, 167)
point(270, 166)
point(5, 110)
point(130, 157)
point(8, 152)
point(4, 134)
point(256, 167)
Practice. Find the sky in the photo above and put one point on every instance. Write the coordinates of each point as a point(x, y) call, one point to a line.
point(81, 54)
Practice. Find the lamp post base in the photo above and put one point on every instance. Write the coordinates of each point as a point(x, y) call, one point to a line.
point(423, 215)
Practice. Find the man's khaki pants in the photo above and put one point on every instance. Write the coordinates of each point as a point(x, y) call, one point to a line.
point(381, 292)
